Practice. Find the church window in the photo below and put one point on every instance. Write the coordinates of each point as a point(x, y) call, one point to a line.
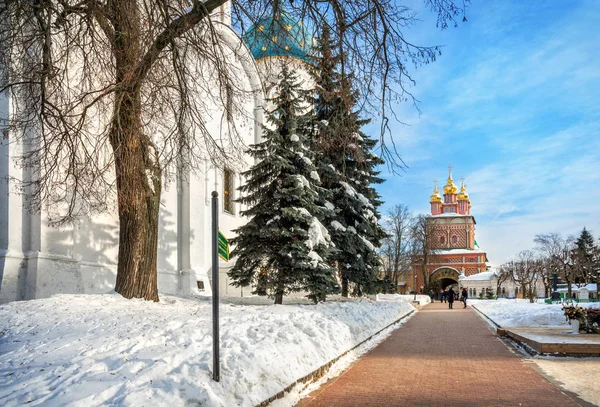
point(228, 190)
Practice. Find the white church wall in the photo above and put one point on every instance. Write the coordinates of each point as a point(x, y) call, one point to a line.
point(37, 260)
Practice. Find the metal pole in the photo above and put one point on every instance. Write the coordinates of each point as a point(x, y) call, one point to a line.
point(415, 298)
point(215, 285)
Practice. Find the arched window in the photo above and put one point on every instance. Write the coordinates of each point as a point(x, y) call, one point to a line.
point(454, 239)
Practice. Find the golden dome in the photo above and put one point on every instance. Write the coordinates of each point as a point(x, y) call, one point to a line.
point(450, 188)
point(436, 194)
point(463, 196)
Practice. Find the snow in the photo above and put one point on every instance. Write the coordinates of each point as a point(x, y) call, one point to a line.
point(303, 211)
point(423, 299)
point(367, 243)
point(317, 234)
point(273, 219)
point(315, 176)
point(302, 180)
point(363, 200)
point(337, 226)
point(91, 350)
point(512, 313)
point(307, 160)
point(580, 376)
point(575, 288)
point(295, 138)
point(457, 251)
point(349, 190)
point(315, 258)
point(483, 276)
point(329, 205)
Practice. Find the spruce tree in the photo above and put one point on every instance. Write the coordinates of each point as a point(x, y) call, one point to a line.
point(342, 159)
point(283, 248)
point(585, 242)
point(586, 257)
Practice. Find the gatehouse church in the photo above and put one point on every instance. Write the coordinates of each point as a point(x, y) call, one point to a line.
point(452, 250)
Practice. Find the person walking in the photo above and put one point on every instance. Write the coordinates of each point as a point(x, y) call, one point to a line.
point(463, 297)
point(442, 295)
point(431, 296)
point(450, 296)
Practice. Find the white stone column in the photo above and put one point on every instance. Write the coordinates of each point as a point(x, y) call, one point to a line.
point(187, 279)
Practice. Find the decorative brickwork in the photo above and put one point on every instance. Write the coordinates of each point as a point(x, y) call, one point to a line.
point(453, 237)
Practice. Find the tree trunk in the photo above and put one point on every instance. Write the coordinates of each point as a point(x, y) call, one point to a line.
point(344, 286)
point(344, 282)
point(137, 168)
point(139, 189)
point(279, 297)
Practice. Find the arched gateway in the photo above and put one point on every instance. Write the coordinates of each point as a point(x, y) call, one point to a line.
point(450, 247)
point(444, 277)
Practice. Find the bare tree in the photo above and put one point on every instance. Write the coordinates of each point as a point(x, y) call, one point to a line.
point(503, 275)
point(396, 248)
point(107, 97)
point(524, 271)
point(546, 272)
point(422, 247)
point(559, 253)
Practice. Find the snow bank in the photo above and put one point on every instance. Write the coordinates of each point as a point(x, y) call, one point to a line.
point(508, 313)
point(90, 350)
point(423, 299)
point(581, 376)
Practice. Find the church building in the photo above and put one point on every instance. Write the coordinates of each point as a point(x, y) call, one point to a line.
point(451, 250)
point(37, 260)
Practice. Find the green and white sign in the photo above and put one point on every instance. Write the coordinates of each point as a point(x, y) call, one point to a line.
point(223, 247)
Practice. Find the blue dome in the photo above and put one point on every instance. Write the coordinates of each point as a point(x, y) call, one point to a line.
point(279, 37)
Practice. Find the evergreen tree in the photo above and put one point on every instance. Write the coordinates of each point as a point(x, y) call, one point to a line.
point(283, 247)
point(586, 257)
point(346, 167)
point(585, 242)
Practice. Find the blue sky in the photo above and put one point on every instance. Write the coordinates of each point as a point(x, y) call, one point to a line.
point(513, 104)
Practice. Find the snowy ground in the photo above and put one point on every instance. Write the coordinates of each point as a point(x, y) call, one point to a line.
point(88, 350)
point(507, 313)
point(423, 299)
point(577, 375)
point(580, 376)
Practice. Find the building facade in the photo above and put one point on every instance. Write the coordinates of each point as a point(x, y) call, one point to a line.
point(37, 260)
point(450, 250)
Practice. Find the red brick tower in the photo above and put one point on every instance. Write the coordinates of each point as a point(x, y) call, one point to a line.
point(452, 249)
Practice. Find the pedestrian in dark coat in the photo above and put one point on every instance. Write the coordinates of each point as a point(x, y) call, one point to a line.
point(463, 297)
point(443, 296)
point(450, 297)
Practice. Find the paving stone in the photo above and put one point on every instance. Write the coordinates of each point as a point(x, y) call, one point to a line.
point(440, 357)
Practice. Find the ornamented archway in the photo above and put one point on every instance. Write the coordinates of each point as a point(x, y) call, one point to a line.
point(445, 276)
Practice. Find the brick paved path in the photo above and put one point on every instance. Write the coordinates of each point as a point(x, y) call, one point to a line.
point(440, 357)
